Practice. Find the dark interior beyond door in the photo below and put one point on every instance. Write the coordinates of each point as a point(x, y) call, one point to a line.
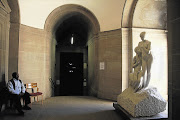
point(71, 73)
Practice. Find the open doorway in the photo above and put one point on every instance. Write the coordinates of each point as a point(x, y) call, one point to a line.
point(71, 73)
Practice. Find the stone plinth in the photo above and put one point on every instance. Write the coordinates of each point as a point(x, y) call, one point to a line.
point(146, 102)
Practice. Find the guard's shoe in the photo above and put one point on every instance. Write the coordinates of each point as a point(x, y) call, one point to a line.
point(21, 113)
point(26, 107)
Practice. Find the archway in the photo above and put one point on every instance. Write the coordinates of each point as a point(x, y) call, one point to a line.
point(68, 18)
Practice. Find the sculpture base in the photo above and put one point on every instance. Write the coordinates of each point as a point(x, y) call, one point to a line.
point(127, 116)
point(144, 103)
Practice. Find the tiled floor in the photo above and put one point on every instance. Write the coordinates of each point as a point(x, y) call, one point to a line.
point(67, 108)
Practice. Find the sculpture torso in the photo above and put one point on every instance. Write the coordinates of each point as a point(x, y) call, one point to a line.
point(145, 48)
point(142, 64)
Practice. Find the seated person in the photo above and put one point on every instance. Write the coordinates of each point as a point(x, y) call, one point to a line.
point(17, 91)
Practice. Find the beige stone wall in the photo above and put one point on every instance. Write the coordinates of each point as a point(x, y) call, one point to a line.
point(32, 52)
point(110, 52)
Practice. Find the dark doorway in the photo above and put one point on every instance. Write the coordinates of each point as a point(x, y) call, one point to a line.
point(71, 73)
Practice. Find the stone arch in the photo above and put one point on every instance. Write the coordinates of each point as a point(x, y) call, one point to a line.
point(63, 12)
point(128, 12)
point(53, 21)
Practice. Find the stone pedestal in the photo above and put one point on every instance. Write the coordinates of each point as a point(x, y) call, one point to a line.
point(146, 102)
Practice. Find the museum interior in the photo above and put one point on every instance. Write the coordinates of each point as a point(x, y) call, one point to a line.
point(81, 53)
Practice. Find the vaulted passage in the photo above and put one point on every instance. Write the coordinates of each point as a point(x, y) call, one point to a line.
point(75, 26)
point(71, 54)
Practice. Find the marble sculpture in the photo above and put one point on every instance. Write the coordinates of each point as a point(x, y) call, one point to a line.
point(139, 99)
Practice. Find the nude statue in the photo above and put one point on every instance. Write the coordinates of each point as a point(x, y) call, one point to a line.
point(145, 47)
point(140, 78)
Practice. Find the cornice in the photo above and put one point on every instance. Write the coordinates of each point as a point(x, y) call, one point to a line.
point(4, 5)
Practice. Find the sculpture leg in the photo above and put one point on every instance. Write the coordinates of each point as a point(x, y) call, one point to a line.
point(136, 87)
point(144, 73)
point(148, 79)
point(149, 62)
point(140, 79)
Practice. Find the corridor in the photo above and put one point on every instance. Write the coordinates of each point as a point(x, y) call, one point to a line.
point(67, 108)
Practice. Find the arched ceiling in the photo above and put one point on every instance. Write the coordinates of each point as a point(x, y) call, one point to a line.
point(108, 12)
point(75, 26)
point(150, 14)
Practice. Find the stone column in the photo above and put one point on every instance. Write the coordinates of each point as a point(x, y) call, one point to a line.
point(4, 41)
point(125, 57)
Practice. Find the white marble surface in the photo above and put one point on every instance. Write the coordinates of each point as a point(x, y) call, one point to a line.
point(146, 102)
